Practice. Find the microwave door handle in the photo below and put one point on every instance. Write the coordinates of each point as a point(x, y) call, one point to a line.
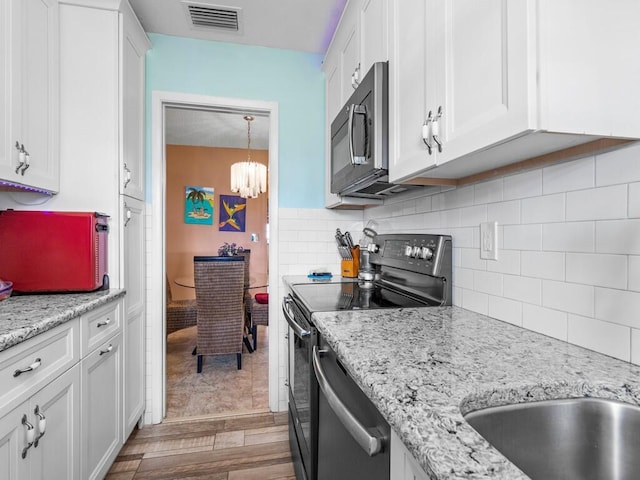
point(298, 330)
point(371, 444)
point(353, 111)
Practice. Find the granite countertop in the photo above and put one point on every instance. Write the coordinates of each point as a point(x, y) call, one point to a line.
point(25, 316)
point(426, 367)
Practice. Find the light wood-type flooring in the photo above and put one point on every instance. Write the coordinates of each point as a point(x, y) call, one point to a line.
point(218, 425)
point(250, 447)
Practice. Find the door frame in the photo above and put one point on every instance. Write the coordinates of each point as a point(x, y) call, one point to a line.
point(156, 294)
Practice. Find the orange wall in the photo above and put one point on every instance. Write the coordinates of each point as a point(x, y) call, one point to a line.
point(208, 167)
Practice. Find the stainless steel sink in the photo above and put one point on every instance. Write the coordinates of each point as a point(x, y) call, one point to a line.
point(581, 439)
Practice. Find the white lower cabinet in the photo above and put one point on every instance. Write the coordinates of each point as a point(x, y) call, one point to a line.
point(403, 465)
point(101, 412)
point(40, 438)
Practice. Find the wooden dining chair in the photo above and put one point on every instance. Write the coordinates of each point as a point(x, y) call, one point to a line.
point(219, 283)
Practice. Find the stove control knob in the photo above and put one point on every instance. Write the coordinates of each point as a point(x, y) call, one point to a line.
point(426, 253)
point(415, 253)
point(373, 248)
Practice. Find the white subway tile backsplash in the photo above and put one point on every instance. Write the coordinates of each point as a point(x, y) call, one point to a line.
point(544, 209)
point(463, 278)
point(569, 246)
point(618, 166)
point(544, 320)
point(568, 176)
point(604, 337)
point(508, 262)
point(597, 203)
point(523, 237)
point(568, 297)
point(597, 269)
point(634, 201)
point(618, 236)
point(635, 346)
point(506, 310)
point(473, 216)
point(475, 301)
point(470, 258)
point(548, 265)
point(523, 185)
point(634, 273)
point(488, 192)
point(487, 282)
point(505, 213)
point(523, 289)
point(569, 237)
point(618, 306)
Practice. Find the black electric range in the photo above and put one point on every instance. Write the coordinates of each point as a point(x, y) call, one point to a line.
point(405, 271)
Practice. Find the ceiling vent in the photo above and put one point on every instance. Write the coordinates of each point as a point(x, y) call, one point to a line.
point(214, 17)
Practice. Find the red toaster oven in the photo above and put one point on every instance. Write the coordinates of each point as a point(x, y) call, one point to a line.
point(43, 251)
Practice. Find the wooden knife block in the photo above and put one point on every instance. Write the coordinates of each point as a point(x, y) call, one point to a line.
point(350, 267)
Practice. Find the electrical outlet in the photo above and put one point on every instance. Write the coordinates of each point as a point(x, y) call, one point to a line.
point(489, 240)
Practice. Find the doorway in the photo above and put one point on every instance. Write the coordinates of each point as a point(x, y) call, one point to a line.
point(201, 147)
point(157, 348)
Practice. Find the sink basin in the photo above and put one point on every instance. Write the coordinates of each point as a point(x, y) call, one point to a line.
point(583, 438)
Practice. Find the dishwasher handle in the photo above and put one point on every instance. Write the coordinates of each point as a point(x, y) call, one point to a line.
point(371, 444)
point(299, 331)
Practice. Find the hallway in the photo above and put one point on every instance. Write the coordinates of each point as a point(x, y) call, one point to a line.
point(221, 389)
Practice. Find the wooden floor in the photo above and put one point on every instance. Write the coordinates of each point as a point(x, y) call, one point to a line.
point(228, 448)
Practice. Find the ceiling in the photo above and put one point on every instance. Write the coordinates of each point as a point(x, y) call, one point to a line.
point(305, 25)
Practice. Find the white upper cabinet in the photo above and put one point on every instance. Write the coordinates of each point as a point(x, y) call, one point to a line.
point(360, 41)
point(29, 94)
point(493, 84)
point(134, 47)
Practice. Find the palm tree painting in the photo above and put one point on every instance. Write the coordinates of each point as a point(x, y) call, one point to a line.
point(198, 205)
point(232, 213)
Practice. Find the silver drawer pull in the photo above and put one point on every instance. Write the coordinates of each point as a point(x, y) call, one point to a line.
point(102, 324)
point(30, 434)
point(106, 350)
point(31, 367)
point(42, 425)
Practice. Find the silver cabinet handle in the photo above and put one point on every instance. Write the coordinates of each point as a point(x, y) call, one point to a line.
point(42, 425)
point(30, 368)
point(369, 443)
point(103, 324)
point(106, 350)
point(426, 133)
point(29, 436)
point(24, 158)
point(435, 129)
point(127, 176)
point(127, 214)
point(298, 330)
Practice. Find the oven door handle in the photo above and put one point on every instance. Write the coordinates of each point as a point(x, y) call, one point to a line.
point(298, 330)
point(371, 444)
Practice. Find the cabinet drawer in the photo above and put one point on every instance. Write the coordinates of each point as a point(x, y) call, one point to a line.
point(30, 365)
point(99, 325)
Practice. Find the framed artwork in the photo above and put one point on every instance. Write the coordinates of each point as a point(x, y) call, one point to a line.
point(198, 205)
point(233, 213)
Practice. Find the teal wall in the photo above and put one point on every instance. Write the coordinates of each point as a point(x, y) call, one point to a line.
point(291, 78)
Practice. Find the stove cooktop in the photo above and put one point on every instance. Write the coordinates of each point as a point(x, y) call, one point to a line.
point(329, 297)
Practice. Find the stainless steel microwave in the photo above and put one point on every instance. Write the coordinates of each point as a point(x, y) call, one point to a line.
point(360, 137)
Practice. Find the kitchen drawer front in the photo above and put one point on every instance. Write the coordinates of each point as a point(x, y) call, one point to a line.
point(30, 365)
point(99, 325)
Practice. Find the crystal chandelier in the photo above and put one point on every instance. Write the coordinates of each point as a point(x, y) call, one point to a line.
point(248, 178)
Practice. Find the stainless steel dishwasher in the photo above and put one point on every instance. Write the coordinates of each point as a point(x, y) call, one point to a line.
point(353, 437)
